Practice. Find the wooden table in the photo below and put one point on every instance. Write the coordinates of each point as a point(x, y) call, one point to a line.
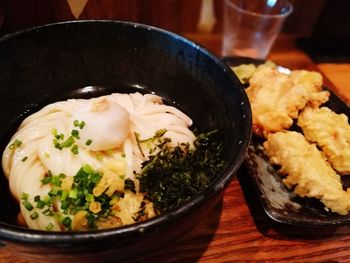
point(238, 230)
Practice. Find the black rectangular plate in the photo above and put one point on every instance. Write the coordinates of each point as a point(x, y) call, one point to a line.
point(280, 204)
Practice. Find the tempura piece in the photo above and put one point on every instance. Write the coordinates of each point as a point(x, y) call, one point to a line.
point(306, 170)
point(311, 81)
point(276, 98)
point(331, 132)
point(244, 72)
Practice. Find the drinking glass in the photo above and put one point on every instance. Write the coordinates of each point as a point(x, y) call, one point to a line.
point(251, 26)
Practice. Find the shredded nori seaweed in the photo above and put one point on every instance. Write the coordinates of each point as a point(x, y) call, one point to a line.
point(174, 175)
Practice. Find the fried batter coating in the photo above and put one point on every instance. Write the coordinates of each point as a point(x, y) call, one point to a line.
point(307, 170)
point(277, 98)
point(331, 132)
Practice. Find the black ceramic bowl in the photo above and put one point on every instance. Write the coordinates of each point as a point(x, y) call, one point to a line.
point(55, 62)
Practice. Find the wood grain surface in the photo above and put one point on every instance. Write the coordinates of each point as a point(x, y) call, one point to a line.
point(238, 230)
point(338, 74)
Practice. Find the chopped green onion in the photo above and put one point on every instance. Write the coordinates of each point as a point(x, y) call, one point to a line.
point(46, 180)
point(17, 143)
point(64, 195)
point(37, 198)
point(73, 211)
point(57, 144)
point(82, 124)
point(53, 192)
point(24, 196)
point(95, 178)
point(54, 132)
point(67, 222)
point(64, 205)
point(47, 199)
point(91, 220)
point(67, 143)
point(49, 227)
point(59, 136)
point(56, 180)
point(87, 169)
point(28, 205)
point(88, 142)
point(62, 175)
point(24, 158)
point(73, 193)
point(35, 215)
point(75, 149)
point(75, 133)
point(48, 212)
point(79, 124)
point(90, 198)
point(41, 204)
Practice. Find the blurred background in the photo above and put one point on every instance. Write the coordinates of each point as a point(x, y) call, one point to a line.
point(180, 16)
point(321, 24)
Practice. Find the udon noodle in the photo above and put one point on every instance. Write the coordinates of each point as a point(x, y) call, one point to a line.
point(110, 134)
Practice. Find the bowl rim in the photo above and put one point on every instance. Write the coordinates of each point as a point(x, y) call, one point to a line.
point(9, 232)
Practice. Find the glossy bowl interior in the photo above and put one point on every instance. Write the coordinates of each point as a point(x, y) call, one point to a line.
point(90, 58)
